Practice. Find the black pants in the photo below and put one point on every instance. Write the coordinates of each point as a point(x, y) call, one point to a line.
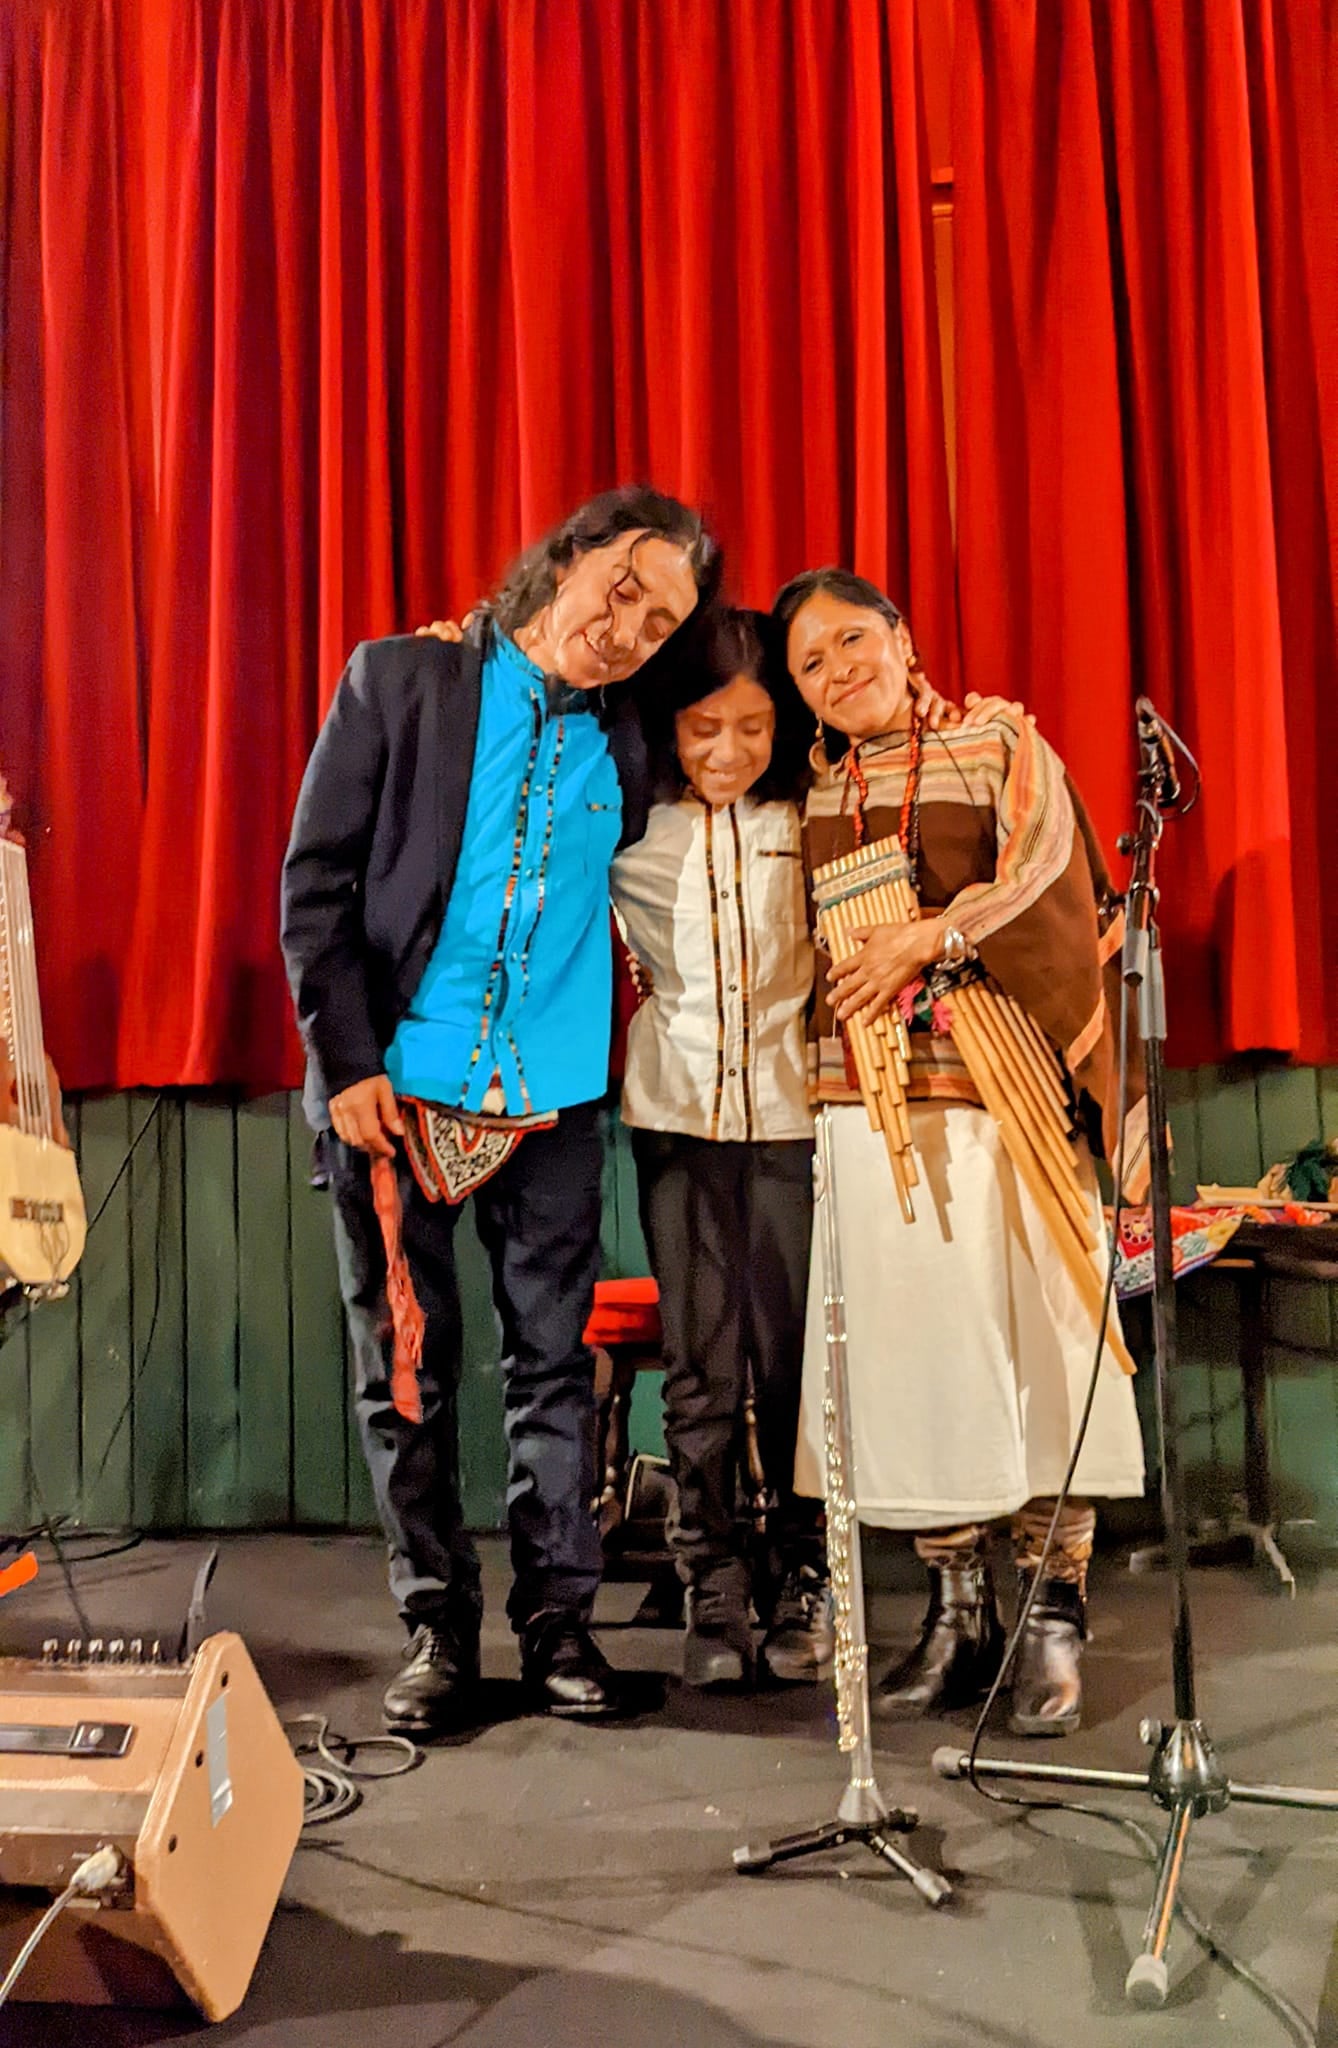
point(728, 1228)
point(538, 1219)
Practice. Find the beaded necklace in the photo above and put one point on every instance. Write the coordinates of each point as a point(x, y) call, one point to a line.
point(909, 825)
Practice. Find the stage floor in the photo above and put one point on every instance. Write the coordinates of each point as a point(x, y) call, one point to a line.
point(553, 1886)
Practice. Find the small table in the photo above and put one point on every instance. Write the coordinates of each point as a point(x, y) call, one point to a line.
point(1257, 1253)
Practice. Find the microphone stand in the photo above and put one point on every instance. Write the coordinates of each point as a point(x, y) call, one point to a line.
point(1184, 1777)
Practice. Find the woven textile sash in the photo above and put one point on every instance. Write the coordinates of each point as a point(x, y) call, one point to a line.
point(453, 1152)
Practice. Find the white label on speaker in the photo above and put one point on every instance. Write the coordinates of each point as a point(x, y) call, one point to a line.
point(220, 1778)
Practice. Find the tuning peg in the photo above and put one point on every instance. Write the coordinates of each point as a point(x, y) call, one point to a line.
point(51, 1650)
point(74, 1649)
point(136, 1649)
point(156, 1653)
point(116, 1650)
point(95, 1650)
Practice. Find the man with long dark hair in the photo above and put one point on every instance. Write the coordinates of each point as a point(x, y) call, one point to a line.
point(445, 928)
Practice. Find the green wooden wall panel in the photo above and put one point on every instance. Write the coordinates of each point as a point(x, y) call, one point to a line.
point(1229, 1144)
point(105, 1284)
point(213, 1490)
point(209, 1294)
point(54, 1392)
point(1328, 1102)
point(158, 1295)
point(264, 1283)
point(320, 1400)
point(1303, 1432)
point(1182, 1103)
point(1289, 1117)
point(15, 1420)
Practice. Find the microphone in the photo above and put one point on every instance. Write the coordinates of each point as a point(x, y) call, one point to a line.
point(1156, 744)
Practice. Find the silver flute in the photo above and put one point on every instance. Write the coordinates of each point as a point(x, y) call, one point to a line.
point(863, 1815)
point(861, 1800)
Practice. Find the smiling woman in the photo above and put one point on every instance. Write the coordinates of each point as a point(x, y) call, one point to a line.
point(970, 1340)
point(711, 904)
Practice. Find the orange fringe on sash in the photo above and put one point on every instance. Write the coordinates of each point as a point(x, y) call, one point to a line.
point(406, 1316)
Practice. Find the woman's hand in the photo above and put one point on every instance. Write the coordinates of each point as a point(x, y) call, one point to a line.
point(441, 629)
point(367, 1116)
point(890, 957)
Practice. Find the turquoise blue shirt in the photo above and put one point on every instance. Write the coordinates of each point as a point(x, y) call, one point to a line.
point(518, 991)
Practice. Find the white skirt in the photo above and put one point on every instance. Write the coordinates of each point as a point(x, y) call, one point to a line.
point(970, 1348)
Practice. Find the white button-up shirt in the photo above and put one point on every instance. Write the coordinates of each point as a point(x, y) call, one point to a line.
point(711, 903)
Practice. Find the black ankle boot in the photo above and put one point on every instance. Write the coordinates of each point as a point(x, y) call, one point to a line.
point(563, 1670)
point(719, 1648)
point(959, 1652)
point(801, 1642)
point(1047, 1675)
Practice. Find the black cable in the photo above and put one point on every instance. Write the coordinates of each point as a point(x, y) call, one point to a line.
point(1061, 1498)
point(137, 1373)
point(124, 1166)
point(1276, 2002)
point(51, 1526)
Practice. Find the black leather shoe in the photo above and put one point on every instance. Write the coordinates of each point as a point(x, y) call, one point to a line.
point(437, 1685)
point(718, 1649)
point(801, 1640)
point(1047, 1676)
point(564, 1672)
point(959, 1652)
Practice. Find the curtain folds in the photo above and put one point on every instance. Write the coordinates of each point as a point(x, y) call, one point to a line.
point(420, 278)
point(312, 311)
point(1146, 490)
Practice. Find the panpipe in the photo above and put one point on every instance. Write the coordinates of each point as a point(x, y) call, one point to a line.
point(1013, 1067)
point(872, 886)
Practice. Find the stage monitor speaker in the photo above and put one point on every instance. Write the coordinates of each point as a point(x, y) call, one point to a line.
point(183, 1769)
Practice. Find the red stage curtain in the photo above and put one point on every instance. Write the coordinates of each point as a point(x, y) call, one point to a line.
point(419, 278)
point(75, 503)
point(1147, 476)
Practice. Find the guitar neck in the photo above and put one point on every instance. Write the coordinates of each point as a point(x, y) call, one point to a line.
point(20, 1004)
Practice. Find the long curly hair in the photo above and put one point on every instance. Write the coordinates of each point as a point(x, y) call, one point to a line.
point(532, 579)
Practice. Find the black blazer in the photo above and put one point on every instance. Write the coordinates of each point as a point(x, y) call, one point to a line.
point(376, 839)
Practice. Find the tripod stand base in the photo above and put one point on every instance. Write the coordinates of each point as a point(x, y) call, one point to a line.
point(1186, 1781)
point(875, 1835)
point(1224, 1542)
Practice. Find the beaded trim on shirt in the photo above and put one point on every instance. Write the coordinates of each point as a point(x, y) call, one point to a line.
point(744, 985)
point(719, 975)
point(509, 896)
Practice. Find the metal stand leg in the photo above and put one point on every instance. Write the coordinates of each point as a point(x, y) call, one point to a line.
point(863, 1815)
point(1146, 1983)
point(875, 1836)
point(1184, 1777)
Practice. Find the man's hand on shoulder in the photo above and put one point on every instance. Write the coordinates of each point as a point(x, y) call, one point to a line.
point(980, 710)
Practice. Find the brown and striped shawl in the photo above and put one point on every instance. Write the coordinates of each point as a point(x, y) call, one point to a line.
point(1006, 845)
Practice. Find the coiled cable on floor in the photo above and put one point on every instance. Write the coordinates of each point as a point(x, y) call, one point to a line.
point(332, 1785)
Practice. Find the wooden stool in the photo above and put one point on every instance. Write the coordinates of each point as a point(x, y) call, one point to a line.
point(624, 1334)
